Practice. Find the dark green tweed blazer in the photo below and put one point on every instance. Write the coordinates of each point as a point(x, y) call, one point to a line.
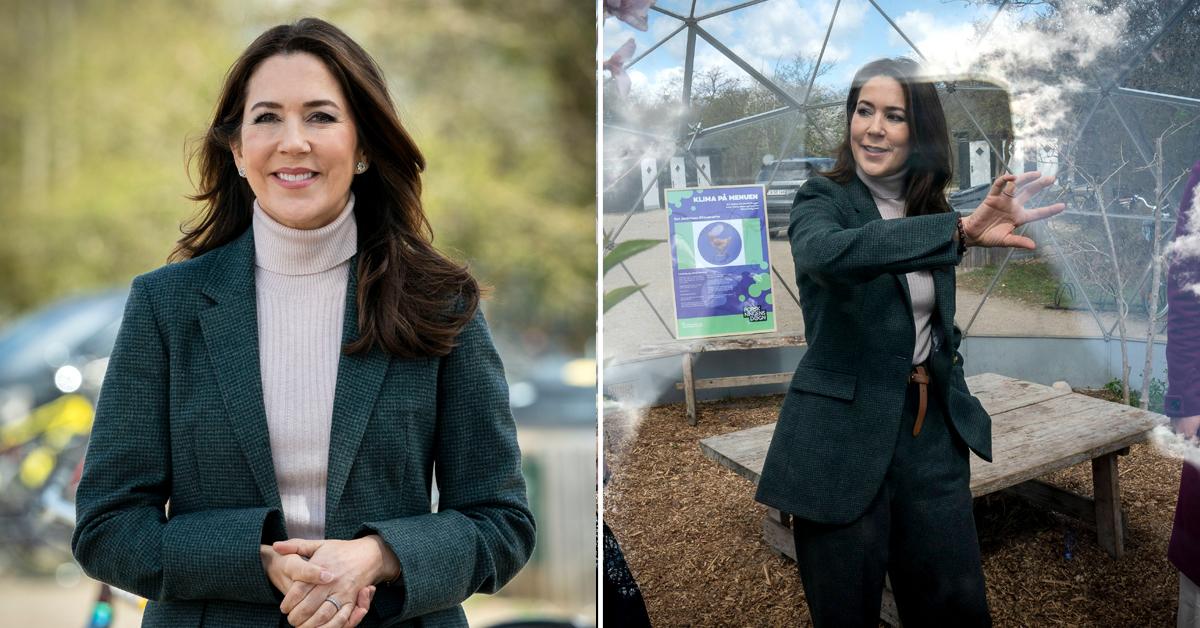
point(838, 425)
point(179, 490)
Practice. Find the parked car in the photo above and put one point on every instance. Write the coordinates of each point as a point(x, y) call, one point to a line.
point(61, 348)
point(557, 390)
point(789, 175)
point(967, 199)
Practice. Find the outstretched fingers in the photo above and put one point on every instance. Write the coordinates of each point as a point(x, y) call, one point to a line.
point(1000, 183)
point(1019, 242)
point(1031, 187)
point(1042, 213)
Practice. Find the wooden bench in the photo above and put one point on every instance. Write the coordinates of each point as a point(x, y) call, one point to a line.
point(1036, 430)
point(689, 350)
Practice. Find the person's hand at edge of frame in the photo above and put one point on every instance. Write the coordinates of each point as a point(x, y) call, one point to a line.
point(1187, 427)
point(1003, 210)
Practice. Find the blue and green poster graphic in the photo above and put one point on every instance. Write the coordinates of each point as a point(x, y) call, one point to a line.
point(720, 261)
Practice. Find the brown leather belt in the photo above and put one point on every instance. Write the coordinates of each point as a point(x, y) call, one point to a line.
point(920, 377)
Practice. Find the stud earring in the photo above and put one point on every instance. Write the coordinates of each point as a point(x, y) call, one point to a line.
point(242, 172)
point(360, 167)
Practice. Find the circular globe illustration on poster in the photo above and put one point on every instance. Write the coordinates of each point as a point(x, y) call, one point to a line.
point(719, 243)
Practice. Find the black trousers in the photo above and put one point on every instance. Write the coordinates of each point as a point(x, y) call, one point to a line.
point(920, 529)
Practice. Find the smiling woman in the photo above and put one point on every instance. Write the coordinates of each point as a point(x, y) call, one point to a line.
point(871, 452)
point(293, 384)
point(300, 149)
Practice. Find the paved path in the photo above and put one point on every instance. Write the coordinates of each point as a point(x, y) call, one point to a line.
point(633, 323)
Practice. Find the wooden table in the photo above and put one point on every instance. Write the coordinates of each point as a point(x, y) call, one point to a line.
point(1036, 430)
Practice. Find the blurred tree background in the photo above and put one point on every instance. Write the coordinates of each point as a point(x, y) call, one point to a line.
point(103, 102)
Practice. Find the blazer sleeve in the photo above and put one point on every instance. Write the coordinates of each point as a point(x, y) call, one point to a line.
point(123, 535)
point(1183, 317)
point(826, 249)
point(483, 531)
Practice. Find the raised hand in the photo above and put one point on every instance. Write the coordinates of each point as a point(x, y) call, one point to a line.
point(355, 566)
point(1003, 210)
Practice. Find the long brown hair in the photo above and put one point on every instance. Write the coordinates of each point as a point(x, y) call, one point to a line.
point(412, 300)
point(929, 163)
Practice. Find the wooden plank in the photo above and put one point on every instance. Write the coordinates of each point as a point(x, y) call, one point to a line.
point(1109, 528)
point(1000, 394)
point(1027, 442)
point(741, 380)
point(1062, 501)
point(689, 389)
point(779, 538)
point(1054, 498)
point(723, 343)
point(1034, 440)
point(742, 451)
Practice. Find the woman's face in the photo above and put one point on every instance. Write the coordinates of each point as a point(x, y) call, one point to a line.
point(298, 142)
point(879, 131)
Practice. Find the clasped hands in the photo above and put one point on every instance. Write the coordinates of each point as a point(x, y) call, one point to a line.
point(311, 573)
point(1003, 210)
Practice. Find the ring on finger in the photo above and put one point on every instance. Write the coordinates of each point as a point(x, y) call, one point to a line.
point(335, 603)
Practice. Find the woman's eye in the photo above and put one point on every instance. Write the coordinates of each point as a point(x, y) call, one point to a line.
point(265, 117)
point(895, 117)
point(321, 116)
point(863, 111)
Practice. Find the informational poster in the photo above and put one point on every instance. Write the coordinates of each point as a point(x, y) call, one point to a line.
point(720, 261)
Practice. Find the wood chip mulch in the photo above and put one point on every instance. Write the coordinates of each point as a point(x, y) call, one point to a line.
point(692, 534)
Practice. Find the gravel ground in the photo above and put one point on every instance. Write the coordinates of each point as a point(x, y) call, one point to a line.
point(691, 533)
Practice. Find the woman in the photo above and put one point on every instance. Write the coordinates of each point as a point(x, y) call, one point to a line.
point(1182, 404)
point(870, 452)
point(299, 372)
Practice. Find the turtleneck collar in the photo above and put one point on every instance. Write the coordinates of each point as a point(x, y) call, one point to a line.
point(890, 187)
point(287, 251)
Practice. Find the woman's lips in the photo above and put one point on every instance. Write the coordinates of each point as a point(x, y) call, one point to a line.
point(874, 153)
point(294, 181)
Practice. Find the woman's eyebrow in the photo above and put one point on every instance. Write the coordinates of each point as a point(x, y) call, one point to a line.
point(267, 104)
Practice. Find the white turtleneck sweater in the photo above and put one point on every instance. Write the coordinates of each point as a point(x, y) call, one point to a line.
point(889, 197)
point(300, 281)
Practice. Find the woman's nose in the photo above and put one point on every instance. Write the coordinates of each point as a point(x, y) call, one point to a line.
point(876, 126)
point(294, 138)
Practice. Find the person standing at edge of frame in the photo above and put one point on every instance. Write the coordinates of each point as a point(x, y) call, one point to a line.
point(870, 454)
point(294, 381)
point(1182, 404)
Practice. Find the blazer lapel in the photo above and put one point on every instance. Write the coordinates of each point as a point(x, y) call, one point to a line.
point(358, 380)
point(943, 291)
point(864, 204)
point(230, 328)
